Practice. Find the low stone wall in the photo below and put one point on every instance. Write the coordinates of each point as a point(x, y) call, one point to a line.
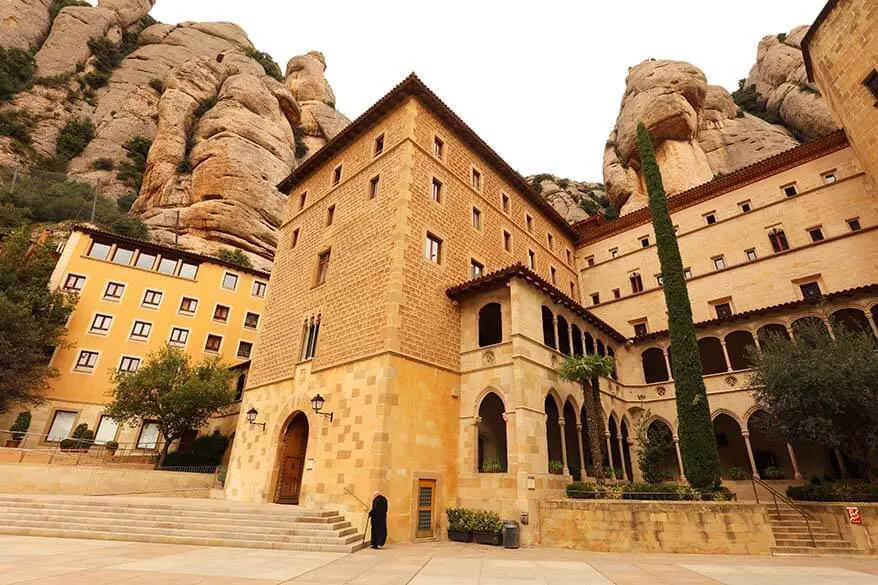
point(25, 478)
point(834, 516)
point(666, 527)
point(57, 457)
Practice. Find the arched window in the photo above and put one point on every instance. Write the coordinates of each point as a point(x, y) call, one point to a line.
point(766, 333)
point(490, 325)
point(712, 359)
point(553, 430)
point(612, 354)
point(576, 334)
point(809, 330)
point(654, 367)
point(548, 327)
point(563, 336)
point(850, 320)
point(602, 351)
point(589, 343)
point(738, 344)
point(492, 435)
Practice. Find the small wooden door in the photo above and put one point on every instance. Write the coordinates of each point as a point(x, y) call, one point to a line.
point(426, 508)
point(292, 465)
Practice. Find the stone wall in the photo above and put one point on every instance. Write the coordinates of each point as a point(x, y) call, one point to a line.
point(652, 527)
point(834, 516)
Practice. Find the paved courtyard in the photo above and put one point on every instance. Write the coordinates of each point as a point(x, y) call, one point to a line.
point(51, 561)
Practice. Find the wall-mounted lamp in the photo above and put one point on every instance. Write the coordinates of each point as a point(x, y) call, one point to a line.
point(251, 418)
point(317, 405)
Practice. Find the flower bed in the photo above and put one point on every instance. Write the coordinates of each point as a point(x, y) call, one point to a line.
point(644, 491)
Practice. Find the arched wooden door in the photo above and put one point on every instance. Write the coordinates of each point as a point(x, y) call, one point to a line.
point(289, 482)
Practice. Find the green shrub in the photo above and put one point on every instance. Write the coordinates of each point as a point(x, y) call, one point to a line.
point(157, 85)
point(125, 202)
point(738, 474)
point(96, 79)
point(773, 473)
point(16, 124)
point(556, 467)
point(207, 451)
point(103, 164)
point(11, 216)
point(834, 492)
point(54, 81)
point(563, 183)
point(611, 213)
point(16, 70)
point(781, 37)
point(539, 178)
point(491, 466)
point(131, 170)
point(298, 136)
point(747, 99)
point(271, 68)
point(486, 521)
point(74, 137)
point(585, 491)
point(459, 519)
point(111, 445)
point(655, 441)
point(204, 106)
point(21, 425)
point(107, 56)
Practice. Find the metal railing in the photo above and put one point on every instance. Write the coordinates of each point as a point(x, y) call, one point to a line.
point(81, 449)
point(782, 498)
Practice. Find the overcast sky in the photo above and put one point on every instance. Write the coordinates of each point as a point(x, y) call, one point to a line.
point(540, 81)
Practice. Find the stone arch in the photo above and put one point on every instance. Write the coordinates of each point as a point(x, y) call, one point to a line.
point(570, 438)
point(738, 344)
point(553, 428)
point(616, 457)
point(490, 324)
point(668, 468)
point(655, 369)
point(492, 439)
point(713, 361)
point(292, 450)
point(730, 442)
point(589, 343)
point(850, 319)
point(576, 334)
point(771, 330)
point(563, 335)
point(548, 326)
point(481, 396)
point(601, 348)
point(768, 452)
point(819, 329)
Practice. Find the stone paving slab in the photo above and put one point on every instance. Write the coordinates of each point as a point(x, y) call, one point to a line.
point(52, 561)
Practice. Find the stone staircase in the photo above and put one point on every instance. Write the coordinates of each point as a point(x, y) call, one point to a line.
point(791, 535)
point(179, 521)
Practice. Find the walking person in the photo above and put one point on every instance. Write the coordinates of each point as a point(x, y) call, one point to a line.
point(378, 515)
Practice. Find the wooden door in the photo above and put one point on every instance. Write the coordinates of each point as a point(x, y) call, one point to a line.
point(292, 463)
point(426, 508)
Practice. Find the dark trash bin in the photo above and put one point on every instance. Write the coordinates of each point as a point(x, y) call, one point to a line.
point(511, 534)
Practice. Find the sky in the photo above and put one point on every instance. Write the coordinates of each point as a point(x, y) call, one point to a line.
point(540, 81)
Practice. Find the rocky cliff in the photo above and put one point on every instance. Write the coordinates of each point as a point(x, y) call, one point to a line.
point(574, 200)
point(221, 123)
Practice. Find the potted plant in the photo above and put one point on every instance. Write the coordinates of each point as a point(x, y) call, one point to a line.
point(556, 467)
point(81, 439)
point(111, 447)
point(491, 466)
point(19, 429)
point(487, 528)
point(459, 524)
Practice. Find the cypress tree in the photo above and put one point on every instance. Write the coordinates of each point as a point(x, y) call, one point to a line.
point(697, 442)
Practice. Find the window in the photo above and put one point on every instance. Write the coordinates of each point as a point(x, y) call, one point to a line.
point(660, 280)
point(710, 218)
point(590, 261)
point(614, 252)
point(62, 425)
point(476, 268)
point(258, 289)
point(531, 260)
point(373, 186)
point(723, 310)
point(149, 435)
point(529, 223)
point(504, 202)
point(745, 206)
point(871, 83)
point(719, 263)
point(477, 218)
point(167, 266)
point(751, 254)
point(188, 305)
point(221, 313)
point(810, 290)
point(322, 267)
point(778, 240)
point(152, 299)
point(99, 251)
point(572, 289)
point(490, 323)
point(644, 242)
point(145, 261)
point(438, 147)
point(829, 178)
point(179, 336)
point(86, 360)
point(433, 248)
point(790, 190)
point(617, 294)
point(330, 215)
point(640, 328)
point(568, 255)
point(107, 428)
point(636, 282)
point(245, 348)
point(114, 291)
point(302, 199)
point(476, 180)
point(230, 281)
point(554, 274)
point(687, 273)
point(294, 238)
point(188, 270)
point(595, 298)
point(141, 330)
point(100, 323)
point(379, 145)
point(336, 175)
point(550, 240)
point(129, 364)
point(854, 224)
point(213, 343)
point(436, 190)
point(75, 282)
point(123, 256)
point(507, 241)
point(816, 234)
point(310, 332)
point(251, 320)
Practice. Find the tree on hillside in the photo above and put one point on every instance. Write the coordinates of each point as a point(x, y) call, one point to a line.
point(822, 389)
point(697, 442)
point(32, 319)
point(169, 390)
point(585, 371)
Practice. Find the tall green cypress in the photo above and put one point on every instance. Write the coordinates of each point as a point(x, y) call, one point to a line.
point(697, 442)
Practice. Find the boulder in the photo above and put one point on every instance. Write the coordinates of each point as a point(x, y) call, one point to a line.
point(127, 11)
point(305, 78)
point(67, 45)
point(24, 23)
point(573, 200)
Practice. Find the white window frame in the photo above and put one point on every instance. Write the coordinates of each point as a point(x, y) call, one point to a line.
point(151, 306)
point(91, 327)
point(82, 281)
point(254, 286)
point(171, 340)
point(141, 444)
point(223, 280)
point(106, 297)
point(86, 369)
point(57, 437)
point(216, 319)
point(258, 320)
point(140, 338)
point(113, 423)
point(130, 358)
point(219, 349)
point(180, 310)
point(238, 351)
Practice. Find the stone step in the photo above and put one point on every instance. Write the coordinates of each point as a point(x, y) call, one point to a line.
point(815, 530)
point(805, 541)
point(811, 551)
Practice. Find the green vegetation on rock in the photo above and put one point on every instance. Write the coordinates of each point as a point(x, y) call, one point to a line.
point(16, 71)
point(271, 68)
point(235, 256)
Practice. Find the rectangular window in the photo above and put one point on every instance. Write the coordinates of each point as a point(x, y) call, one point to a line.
point(86, 360)
point(816, 234)
point(476, 268)
point(188, 305)
point(179, 336)
point(710, 218)
point(644, 242)
point(245, 348)
point(99, 251)
point(230, 281)
point(614, 252)
point(778, 240)
point(188, 270)
point(438, 147)
point(529, 223)
point(810, 290)
point(123, 256)
point(322, 267)
point(310, 333)
point(152, 299)
point(550, 240)
point(251, 320)
point(790, 190)
point(167, 266)
point(589, 261)
point(640, 329)
point(101, 323)
point(477, 180)
point(62, 425)
point(505, 202)
point(374, 182)
point(829, 178)
point(294, 238)
point(660, 280)
point(259, 289)
point(433, 248)
point(531, 260)
point(330, 215)
point(554, 274)
point(114, 291)
point(379, 145)
point(595, 298)
point(221, 313)
point(687, 273)
point(477, 218)
point(745, 206)
point(129, 364)
point(871, 83)
point(617, 294)
point(213, 343)
point(149, 435)
point(145, 261)
point(751, 254)
point(723, 310)
point(719, 263)
point(854, 224)
point(636, 282)
point(336, 175)
point(436, 190)
point(569, 256)
point(75, 282)
point(507, 241)
point(572, 289)
point(141, 330)
point(302, 199)
point(107, 429)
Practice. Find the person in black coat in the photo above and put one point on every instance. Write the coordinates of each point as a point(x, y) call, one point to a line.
point(378, 515)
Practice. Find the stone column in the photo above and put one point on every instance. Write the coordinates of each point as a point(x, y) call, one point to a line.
point(871, 319)
point(561, 423)
point(581, 452)
point(755, 335)
point(667, 364)
point(621, 454)
point(476, 421)
point(794, 461)
point(636, 473)
point(609, 455)
point(679, 458)
point(570, 336)
point(746, 435)
point(841, 466)
point(828, 326)
point(722, 343)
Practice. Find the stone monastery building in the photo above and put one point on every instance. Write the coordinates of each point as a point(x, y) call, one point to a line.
point(427, 293)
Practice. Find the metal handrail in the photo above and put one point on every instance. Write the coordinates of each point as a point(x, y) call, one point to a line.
point(779, 496)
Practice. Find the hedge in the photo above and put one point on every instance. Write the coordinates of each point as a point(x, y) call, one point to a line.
point(834, 492)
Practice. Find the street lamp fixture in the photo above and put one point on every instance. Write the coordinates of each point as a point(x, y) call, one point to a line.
point(317, 405)
point(251, 418)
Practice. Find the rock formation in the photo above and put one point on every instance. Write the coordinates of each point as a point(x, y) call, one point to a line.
point(574, 200)
point(24, 23)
